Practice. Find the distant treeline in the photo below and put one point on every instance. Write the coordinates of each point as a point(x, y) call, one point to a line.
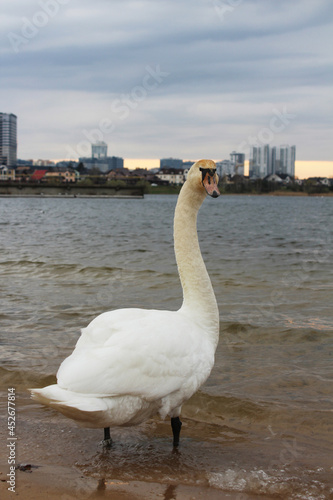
point(257, 186)
point(238, 185)
point(262, 186)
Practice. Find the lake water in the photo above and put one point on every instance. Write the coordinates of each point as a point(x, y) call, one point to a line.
point(263, 422)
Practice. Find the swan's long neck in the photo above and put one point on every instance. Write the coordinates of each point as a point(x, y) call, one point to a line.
point(199, 298)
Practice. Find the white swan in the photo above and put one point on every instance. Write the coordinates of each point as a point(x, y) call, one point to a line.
point(130, 364)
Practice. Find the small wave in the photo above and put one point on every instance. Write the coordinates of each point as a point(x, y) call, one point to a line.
point(288, 331)
point(213, 409)
point(98, 271)
point(22, 263)
point(260, 482)
point(41, 268)
point(237, 327)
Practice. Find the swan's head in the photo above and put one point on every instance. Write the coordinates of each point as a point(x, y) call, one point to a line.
point(203, 175)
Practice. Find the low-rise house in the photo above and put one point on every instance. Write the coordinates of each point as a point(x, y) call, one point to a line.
point(273, 178)
point(117, 174)
point(320, 181)
point(61, 173)
point(23, 173)
point(38, 175)
point(287, 179)
point(172, 175)
point(141, 173)
point(279, 178)
point(6, 173)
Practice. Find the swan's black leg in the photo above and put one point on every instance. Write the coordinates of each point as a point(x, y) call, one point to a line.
point(107, 438)
point(176, 426)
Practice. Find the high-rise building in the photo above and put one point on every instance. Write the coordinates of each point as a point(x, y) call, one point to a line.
point(237, 161)
point(260, 161)
point(287, 159)
point(283, 160)
point(171, 163)
point(186, 165)
point(276, 160)
point(99, 150)
point(224, 167)
point(234, 166)
point(104, 164)
point(254, 162)
point(8, 139)
point(292, 160)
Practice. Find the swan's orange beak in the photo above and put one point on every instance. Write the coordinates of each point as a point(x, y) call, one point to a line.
point(209, 182)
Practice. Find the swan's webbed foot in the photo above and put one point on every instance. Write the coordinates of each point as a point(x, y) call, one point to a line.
point(107, 441)
point(176, 425)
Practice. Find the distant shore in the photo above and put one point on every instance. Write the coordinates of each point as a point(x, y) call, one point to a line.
point(68, 190)
point(133, 197)
point(282, 193)
point(100, 196)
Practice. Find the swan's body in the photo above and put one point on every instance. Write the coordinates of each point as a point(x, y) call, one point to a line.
point(130, 364)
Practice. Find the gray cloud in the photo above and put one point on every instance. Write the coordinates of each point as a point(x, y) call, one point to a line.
point(70, 65)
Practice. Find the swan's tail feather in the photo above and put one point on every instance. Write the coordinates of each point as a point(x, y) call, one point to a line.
point(94, 411)
point(55, 395)
point(85, 410)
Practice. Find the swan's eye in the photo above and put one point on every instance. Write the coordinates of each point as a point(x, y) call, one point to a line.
point(210, 171)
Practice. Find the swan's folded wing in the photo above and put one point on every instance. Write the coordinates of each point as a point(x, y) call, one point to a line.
point(158, 355)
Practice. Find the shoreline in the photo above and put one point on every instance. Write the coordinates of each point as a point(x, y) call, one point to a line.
point(66, 196)
point(62, 483)
point(140, 197)
point(56, 459)
point(292, 193)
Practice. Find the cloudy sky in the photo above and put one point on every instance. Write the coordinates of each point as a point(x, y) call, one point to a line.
point(160, 78)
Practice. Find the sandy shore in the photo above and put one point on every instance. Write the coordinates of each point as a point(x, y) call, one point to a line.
point(55, 459)
point(60, 483)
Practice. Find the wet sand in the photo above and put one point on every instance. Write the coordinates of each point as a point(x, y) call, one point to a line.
point(45, 484)
point(56, 459)
point(60, 483)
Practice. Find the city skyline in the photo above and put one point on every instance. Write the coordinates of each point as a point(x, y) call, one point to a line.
point(153, 79)
point(8, 155)
point(303, 169)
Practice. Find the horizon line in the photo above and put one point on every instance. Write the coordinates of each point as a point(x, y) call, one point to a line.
point(303, 168)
